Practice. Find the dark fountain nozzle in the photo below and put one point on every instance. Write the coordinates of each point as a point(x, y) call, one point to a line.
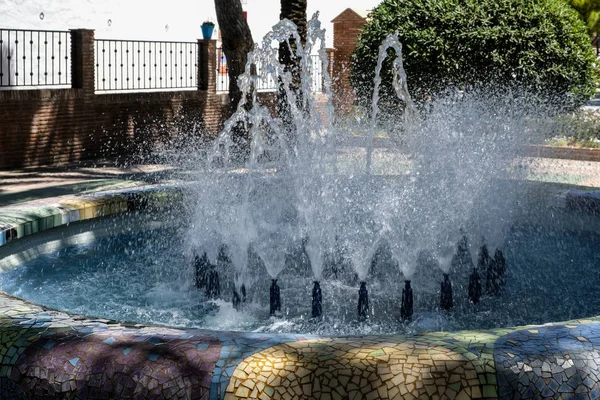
point(486, 263)
point(213, 288)
point(406, 307)
point(275, 298)
point(500, 266)
point(363, 302)
point(446, 302)
point(237, 300)
point(207, 276)
point(201, 268)
point(317, 300)
point(474, 287)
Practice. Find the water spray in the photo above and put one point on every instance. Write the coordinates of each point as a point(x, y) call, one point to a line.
point(363, 302)
point(446, 302)
point(317, 301)
point(275, 298)
point(399, 84)
point(406, 307)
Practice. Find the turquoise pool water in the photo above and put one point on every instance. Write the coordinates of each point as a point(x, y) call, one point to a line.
point(146, 277)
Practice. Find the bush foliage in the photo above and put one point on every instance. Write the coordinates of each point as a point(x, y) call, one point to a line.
point(536, 46)
point(589, 10)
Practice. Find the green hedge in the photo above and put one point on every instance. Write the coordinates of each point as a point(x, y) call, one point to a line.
point(538, 46)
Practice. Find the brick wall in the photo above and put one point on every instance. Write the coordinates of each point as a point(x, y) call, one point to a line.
point(54, 127)
point(567, 153)
point(346, 28)
point(64, 126)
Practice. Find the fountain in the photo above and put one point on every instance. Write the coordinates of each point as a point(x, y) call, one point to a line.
point(314, 216)
point(285, 219)
point(300, 194)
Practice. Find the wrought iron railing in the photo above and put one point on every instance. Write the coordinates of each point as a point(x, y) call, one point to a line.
point(317, 74)
point(270, 84)
point(34, 58)
point(145, 65)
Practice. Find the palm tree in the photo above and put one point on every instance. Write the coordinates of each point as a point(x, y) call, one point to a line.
point(237, 43)
point(295, 11)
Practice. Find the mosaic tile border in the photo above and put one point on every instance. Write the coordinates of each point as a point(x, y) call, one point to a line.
point(17, 221)
point(49, 354)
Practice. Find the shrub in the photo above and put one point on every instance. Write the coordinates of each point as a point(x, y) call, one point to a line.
point(536, 46)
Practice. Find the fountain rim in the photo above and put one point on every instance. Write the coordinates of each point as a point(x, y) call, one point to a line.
point(150, 199)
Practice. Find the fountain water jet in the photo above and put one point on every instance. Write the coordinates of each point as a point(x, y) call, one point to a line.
point(317, 301)
point(400, 87)
point(296, 191)
point(274, 298)
point(500, 264)
point(446, 301)
point(475, 288)
point(363, 302)
point(406, 305)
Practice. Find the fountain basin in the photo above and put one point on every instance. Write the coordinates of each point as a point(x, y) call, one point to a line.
point(49, 353)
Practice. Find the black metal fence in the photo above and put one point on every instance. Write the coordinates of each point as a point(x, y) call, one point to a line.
point(37, 58)
point(34, 58)
point(145, 65)
point(269, 85)
point(223, 78)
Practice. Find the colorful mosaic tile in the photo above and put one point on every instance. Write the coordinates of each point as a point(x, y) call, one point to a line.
point(433, 366)
point(38, 215)
point(555, 361)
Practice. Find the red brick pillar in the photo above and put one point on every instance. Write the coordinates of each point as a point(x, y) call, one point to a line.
point(207, 65)
point(346, 28)
point(83, 63)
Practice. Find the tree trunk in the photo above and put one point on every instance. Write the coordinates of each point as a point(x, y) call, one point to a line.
point(295, 11)
point(237, 43)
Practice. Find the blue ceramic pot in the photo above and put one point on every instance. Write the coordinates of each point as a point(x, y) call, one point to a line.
point(207, 31)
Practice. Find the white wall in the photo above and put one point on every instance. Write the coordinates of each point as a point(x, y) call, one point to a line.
point(147, 19)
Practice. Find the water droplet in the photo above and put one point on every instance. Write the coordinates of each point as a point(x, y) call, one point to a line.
point(167, 28)
point(42, 15)
point(109, 22)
